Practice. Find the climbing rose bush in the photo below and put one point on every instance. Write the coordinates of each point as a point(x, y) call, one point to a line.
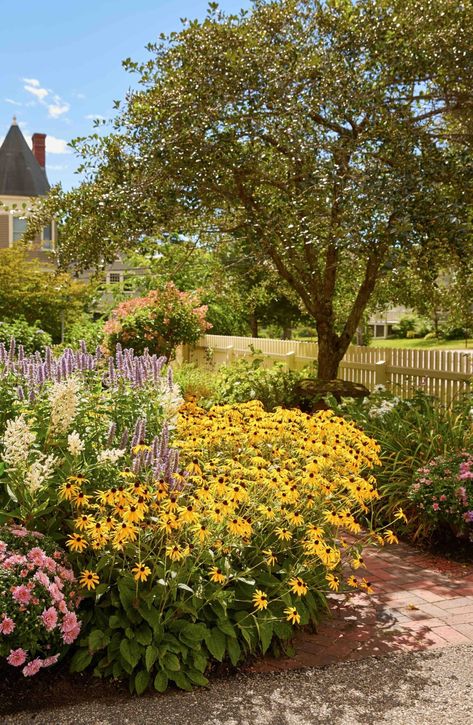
point(160, 321)
point(443, 492)
point(38, 600)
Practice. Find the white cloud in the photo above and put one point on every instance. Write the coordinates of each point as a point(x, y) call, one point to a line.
point(56, 145)
point(95, 116)
point(58, 109)
point(56, 106)
point(57, 167)
point(32, 85)
point(13, 103)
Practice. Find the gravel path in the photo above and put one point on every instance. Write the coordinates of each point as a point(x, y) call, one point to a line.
point(422, 688)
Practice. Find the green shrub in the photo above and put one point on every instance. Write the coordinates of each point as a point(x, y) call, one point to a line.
point(85, 329)
point(442, 491)
point(32, 337)
point(411, 433)
point(247, 379)
point(158, 322)
point(196, 383)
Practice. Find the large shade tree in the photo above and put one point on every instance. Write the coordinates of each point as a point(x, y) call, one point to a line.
point(315, 132)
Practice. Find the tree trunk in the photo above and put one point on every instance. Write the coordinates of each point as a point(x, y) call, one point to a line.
point(287, 332)
point(330, 354)
point(254, 325)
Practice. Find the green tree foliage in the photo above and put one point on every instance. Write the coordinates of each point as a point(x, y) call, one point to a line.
point(316, 133)
point(38, 293)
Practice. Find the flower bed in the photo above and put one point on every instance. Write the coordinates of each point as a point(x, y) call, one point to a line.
point(197, 537)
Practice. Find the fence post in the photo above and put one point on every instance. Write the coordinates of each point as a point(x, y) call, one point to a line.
point(291, 360)
point(229, 354)
point(380, 373)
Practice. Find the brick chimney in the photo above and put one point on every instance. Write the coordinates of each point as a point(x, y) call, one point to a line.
point(39, 148)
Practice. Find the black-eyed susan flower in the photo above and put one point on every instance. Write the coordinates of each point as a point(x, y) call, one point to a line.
point(68, 490)
point(217, 576)
point(352, 581)
point(271, 559)
point(76, 542)
point(141, 572)
point(282, 533)
point(89, 579)
point(333, 581)
point(292, 615)
point(298, 586)
point(260, 600)
point(390, 537)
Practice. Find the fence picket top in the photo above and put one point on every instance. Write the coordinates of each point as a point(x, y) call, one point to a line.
point(443, 373)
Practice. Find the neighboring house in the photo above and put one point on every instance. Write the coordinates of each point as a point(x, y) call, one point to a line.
point(22, 178)
point(381, 323)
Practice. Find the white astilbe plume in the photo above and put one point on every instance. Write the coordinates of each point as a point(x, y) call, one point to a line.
point(110, 455)
point(171, 401)
point(74, 443)
point(64, 400)
point(39, 472)
point(17, 441)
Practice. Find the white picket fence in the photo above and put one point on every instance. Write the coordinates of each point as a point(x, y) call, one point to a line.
point(443, 373)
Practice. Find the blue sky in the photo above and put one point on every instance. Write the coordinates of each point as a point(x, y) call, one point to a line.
point(61, 63)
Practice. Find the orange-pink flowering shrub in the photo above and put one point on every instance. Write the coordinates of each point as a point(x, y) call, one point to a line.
point(160, 321)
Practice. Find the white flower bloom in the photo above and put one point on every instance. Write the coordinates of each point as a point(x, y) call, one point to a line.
point(110, 455)
point(379, 388)
point(39, 472)
point(64, 399)
point(74, 443)
point(17, 441)
point(171, 401)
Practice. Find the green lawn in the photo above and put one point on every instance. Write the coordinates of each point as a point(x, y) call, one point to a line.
point(424, 344)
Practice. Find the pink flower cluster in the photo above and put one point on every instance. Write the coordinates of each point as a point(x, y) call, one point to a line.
point(38, 585)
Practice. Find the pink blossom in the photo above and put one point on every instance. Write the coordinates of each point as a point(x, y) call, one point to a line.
point(71, 636)
point(66, 574)
point(50, 660)
point(49, 617)
point(435, 506)
point(443, 497)
point(62, 606)
point(17, 657)
point(3, 547)
point(32, 668)
point(55, 592)
point(37, 556)
point(21, 594)
point(50, 564)
point(7, 625)
point(42, 578)
point(14, 560)
point(69, 622)
point(19, 531)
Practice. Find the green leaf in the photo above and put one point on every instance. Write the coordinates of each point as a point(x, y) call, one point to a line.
point(197, 677)
point(227, 628)
point(144, 634)
point(142, 681)
point(265, 629)
point(193, 632)
point(234, 651)
point(130, 651)
point(171, 662)
point(151, 655)
point(200, 662)
point(154, 619)
point(161, 682)
point(80, 660)
point(181, 681)
point(116, 622)
point(98, 640)
point(215, 641)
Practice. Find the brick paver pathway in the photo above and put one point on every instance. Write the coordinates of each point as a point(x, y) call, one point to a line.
point(419, 602)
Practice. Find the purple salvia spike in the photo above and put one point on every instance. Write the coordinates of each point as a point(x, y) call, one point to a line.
point(11, 351)
point(20, 392)
point(111, 433)
point(124, 439)
point(111, 372)
point(31, 396)
point(170, 377)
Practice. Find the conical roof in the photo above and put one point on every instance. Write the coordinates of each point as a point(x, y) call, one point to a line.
point(20, 172)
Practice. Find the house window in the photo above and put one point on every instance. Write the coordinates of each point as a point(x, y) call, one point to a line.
point(19, 228)
point(47, 237)
point(114, 277)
